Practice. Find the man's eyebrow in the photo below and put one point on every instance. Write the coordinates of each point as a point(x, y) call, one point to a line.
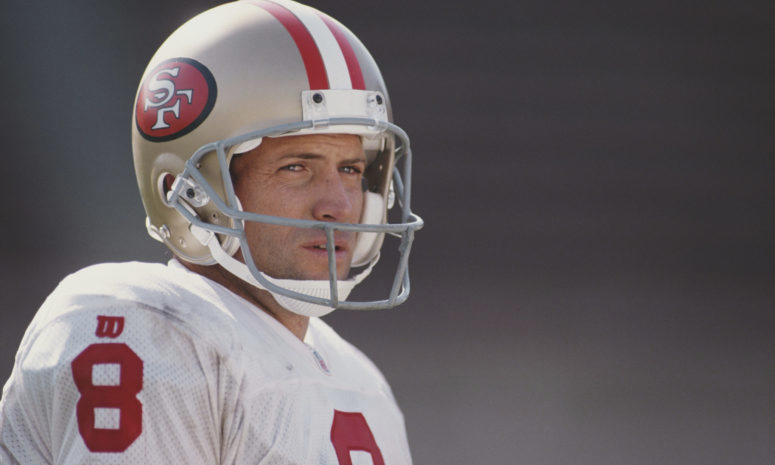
point(350, 161)
point(303, 156)
point(315, 156)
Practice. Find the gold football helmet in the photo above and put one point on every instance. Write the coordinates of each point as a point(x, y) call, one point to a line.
point(265, 68)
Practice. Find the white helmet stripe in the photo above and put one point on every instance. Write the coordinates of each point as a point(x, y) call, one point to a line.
point(333, 58)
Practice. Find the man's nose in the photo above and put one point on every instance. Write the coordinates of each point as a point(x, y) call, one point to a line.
point(334, 202)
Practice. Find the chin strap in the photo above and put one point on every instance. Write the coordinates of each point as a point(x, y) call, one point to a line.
point(312, 288)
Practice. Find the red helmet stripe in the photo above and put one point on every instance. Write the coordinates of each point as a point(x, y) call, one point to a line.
point(313, 61)
point(356, 75)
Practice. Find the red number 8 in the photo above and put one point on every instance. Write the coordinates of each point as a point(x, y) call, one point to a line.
point(350, 432)
point(121, 397)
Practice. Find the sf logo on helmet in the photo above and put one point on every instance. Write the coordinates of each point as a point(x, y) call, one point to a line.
point(165, 90)
point(174, 98)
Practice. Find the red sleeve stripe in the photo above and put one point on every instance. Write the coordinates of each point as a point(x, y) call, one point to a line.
point(313, 61)
point(354, 68)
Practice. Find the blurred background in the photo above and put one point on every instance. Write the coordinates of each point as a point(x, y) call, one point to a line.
point(596, 280)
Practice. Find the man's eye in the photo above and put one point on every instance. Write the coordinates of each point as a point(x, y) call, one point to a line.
point(351, 169)
point(292, 167)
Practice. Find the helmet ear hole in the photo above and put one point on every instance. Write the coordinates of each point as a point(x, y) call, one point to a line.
point(165, 186)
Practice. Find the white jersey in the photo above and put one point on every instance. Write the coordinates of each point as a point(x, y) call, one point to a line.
point(142, 364)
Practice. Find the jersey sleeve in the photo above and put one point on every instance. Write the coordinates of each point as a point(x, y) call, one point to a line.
point(114, 383)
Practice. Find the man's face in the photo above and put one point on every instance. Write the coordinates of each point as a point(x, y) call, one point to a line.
point(312, 177)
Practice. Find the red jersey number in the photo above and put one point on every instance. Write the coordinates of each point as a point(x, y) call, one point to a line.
point(350, 432)
point(121, 396)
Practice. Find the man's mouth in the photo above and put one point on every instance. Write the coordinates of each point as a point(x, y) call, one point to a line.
point(323, 247)
point(318, 246)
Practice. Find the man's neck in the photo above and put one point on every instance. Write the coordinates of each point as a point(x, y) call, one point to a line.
point(296, 324)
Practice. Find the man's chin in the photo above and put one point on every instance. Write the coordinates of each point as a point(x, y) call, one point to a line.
point(323, 276)
point(308, 275)
point(303, 270)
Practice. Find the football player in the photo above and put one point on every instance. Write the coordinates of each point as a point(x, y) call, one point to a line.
point(267, 163)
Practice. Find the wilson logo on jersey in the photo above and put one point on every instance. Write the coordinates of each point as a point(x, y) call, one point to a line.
point(174, 99)
point(109, 326)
